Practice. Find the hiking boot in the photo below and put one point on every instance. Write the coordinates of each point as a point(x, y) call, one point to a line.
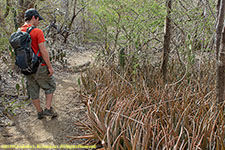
point(50, 112)
point(40, 115)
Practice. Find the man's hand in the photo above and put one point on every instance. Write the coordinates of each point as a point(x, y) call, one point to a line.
point(51, 71)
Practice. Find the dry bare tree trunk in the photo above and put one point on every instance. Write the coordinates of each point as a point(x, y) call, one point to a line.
point(5, 15)
point(166, 44)
point(65, 6)
point(219, 28)
point(71, 22)
point(23, 5)
point(8, 5)
point(6, 12)
point(221, 55)
point(83, 24)
point(218, 8)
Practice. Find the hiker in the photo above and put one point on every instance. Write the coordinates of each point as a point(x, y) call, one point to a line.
point(43, 78)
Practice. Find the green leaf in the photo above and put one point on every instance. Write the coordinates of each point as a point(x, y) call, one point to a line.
point(17, 88)
point(189, 36)
point(78, 81)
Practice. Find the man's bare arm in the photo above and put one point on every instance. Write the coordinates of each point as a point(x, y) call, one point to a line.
point(45, 56)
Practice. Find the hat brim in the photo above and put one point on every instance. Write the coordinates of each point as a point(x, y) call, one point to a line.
point(41, 18)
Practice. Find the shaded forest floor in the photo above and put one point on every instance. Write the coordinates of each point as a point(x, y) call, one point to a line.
point(28, 130)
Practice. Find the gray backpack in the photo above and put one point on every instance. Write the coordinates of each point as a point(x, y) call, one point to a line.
point(26, 59)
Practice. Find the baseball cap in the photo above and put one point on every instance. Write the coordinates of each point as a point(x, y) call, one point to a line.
point(32, 12)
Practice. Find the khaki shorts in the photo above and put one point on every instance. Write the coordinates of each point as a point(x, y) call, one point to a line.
point(43, 81)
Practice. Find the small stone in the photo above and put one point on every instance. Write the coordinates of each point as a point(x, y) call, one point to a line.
point(7, 135)
point(70, 89)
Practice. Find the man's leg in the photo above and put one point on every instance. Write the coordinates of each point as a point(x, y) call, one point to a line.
point(33, 90)
point(37, 105)
point(48, 100)
point(49, 110)
point(47, 83)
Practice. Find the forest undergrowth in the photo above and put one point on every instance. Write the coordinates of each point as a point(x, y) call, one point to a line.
point(134, 109)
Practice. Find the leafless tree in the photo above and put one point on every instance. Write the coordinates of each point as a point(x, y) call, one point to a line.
point(219, 27)
point(221, 54)
point(23, 5)
point(65, 7)
point(167, 37)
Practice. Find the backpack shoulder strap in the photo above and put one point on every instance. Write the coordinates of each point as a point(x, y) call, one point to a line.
point(29, 29)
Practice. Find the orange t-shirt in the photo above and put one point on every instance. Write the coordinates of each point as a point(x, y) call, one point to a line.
point(37, 37)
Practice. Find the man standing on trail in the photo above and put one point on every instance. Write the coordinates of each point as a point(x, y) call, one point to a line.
point(43, 78)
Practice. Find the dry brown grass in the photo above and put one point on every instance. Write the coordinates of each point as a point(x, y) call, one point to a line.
point(138, 112)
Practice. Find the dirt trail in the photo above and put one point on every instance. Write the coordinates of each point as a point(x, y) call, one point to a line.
point(28, 130)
